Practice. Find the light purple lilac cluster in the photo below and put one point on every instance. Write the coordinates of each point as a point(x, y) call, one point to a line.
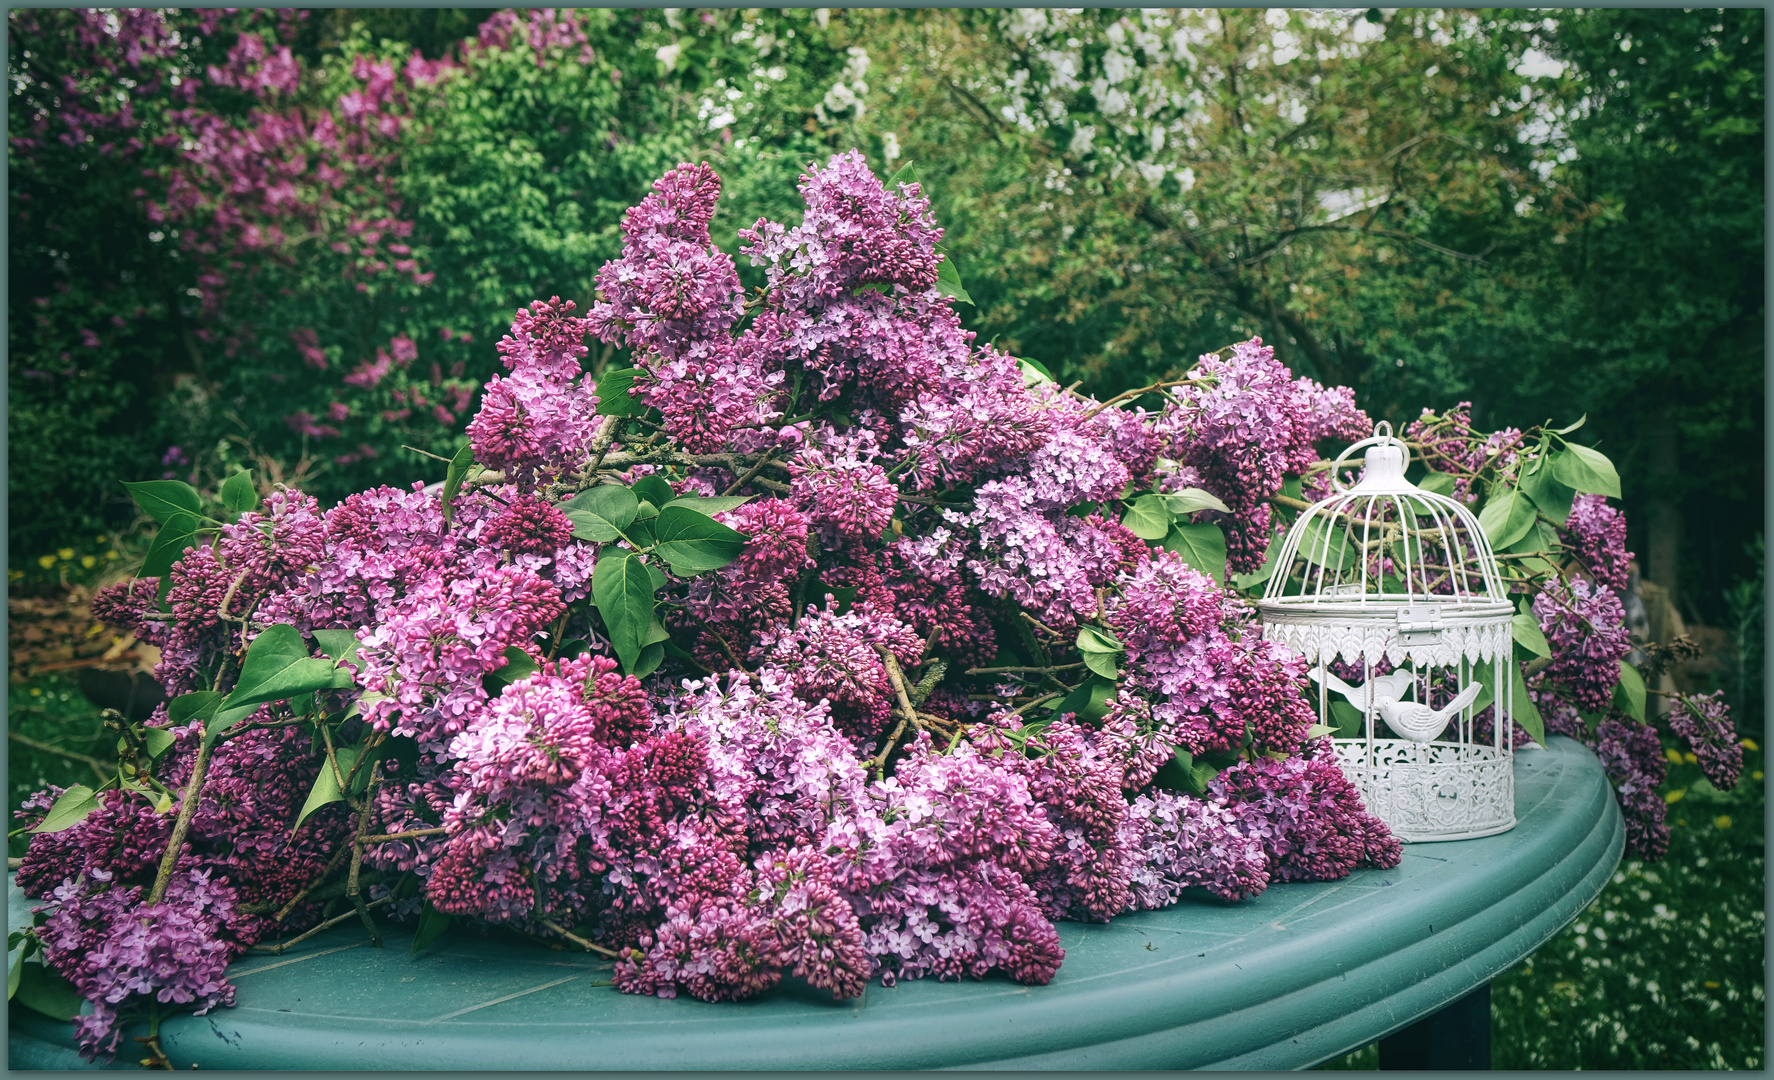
point(865, 748)
point(1240, 427)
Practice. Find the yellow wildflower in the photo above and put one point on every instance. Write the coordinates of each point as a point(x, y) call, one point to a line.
point(65, 553)
point(46, 561)
point(88, 561)
point(1750, 744)
point(1689, 758)
point(1723, 821)
point(1673, 797)
point(1673, 756)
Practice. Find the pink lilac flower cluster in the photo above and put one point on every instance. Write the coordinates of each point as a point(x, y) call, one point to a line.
point(1240, 427)
point(542, 416)
point(850, 758)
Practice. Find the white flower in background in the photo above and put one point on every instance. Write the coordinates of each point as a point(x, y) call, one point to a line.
point(822, 16)
point(668, 55)
point(846, 94)
point(1082, 139)
point(1186, 180)
point(890, 147)
point(1151, 172)
point(839, 99)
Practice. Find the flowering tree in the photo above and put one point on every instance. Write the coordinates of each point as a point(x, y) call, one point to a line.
point(823, 641)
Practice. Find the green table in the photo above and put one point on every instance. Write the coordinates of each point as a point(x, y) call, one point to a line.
point(1299, 975)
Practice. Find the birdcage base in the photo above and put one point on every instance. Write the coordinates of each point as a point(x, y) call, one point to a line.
point(1432, 791)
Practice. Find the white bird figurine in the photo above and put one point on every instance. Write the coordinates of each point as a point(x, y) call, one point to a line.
point(1416, 722)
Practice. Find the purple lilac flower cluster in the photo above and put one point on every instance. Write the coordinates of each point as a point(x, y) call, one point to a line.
point(1597, 532)
point(1240, 427)
point(838, 750)
point(1448, 444)
point(1704, 723)
point(1586, 627)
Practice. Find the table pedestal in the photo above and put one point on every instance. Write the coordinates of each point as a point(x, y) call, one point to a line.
point(1294, 977)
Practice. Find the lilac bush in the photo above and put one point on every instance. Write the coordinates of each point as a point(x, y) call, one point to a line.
point(821, 642)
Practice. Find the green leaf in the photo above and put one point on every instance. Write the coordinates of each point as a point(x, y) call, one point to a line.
point(238, 493)
point(1247, 582)
point(1326, 543)
point(905, 174)
point(454, 476)
point(15, 966)
point(711, 504)
point(1034, 373)
point(169, 544)
point(70, 809)
point(1586, 470)
point(693, 542)
point(341, 645)
point(1183, 773)
point(646, 510)
point(615, 393)
point(1347, 718)
point(1507, 516)
point(1524, 712)
point(1201, 546)
point(948, 281)
point(1437, 483)
point(1629, 695)
point(164, 500)
point(518, 665)
point(42, 989)
point(197, 705)
point(1091, 639)
point(278, 666)
point(844, 595)
point(1191, 500)
point(1573, 427)
point(623, 591)
point(1149, 517)
point(158, 740)
point(600, 514)
point(1089, 702)
point(1102, 663)
point(1099, 650)
point(432, 923)
point(651, 657)
point(1552, 495)
point(326, 785)
point(1525, 628)
point(655, 489)
point(1542, 537)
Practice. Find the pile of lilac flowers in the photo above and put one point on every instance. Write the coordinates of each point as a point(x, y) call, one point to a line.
point(823, 643)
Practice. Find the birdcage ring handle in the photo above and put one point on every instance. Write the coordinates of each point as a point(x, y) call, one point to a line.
point(1382, 436)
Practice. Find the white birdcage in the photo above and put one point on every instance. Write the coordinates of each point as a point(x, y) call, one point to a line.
point(1392, 594)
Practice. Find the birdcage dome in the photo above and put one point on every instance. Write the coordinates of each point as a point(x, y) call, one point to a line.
point(1393, 596)
point(1383, 567)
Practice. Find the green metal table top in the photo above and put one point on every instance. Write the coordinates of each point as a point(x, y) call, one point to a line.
point(1301, 974)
